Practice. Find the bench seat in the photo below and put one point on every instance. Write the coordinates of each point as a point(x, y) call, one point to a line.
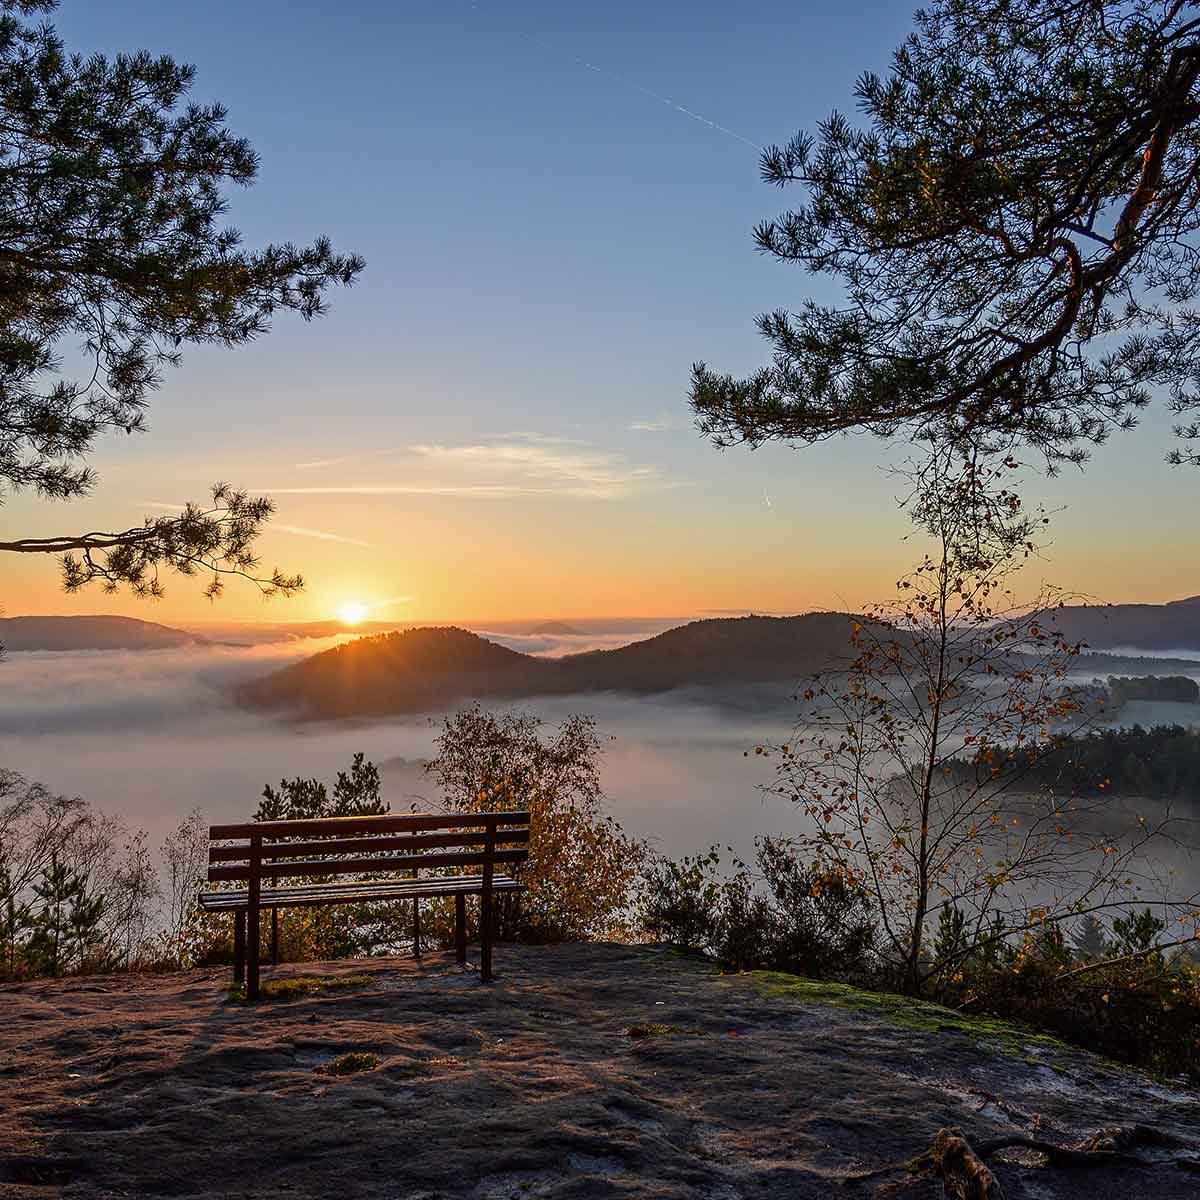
point(308, 895)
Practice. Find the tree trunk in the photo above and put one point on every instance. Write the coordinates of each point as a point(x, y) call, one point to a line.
point(913, 980)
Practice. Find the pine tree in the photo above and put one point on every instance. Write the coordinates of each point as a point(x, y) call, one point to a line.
point(333, 931)
point(1090, 941)
point(111, 195)
point(1014, 226)
point(1136, 932)
point(83, 922)
point(16, 919)
point(58, 890)
point(951, 943)
point(355, 794)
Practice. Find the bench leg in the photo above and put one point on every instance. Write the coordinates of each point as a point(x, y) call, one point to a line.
point(460, 927)
point(416, 928)
point(485, 935)
point(253, 952)
point(239, 946)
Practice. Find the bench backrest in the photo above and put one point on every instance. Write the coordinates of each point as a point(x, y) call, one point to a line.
point(367, 845)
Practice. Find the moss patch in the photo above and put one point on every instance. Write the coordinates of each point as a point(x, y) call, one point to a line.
point(922, 1016)
point(293, 986)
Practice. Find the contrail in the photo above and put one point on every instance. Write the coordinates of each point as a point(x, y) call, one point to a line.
point(604, 73)
point(637, 87)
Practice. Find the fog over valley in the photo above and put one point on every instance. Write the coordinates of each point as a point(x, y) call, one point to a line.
point(150, 735)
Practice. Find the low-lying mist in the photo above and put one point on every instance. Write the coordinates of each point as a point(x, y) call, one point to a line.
point(150, 735)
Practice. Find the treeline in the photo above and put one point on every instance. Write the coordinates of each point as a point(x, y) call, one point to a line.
point(1177, 689)
point(1161, 762)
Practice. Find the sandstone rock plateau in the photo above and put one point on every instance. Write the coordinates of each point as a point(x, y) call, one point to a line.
point(584, 1071)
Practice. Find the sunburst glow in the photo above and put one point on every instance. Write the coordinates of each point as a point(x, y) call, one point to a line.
point(352, 614)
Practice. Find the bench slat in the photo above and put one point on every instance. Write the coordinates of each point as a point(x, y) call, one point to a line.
point(343, 866)
point(320, 826)
point(464, 885)
point(441, 886)
point(430, 882)
point(273, 851)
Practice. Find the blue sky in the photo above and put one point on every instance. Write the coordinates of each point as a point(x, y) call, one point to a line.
point(549, 247)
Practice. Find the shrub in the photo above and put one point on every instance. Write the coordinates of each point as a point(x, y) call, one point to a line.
point(791, 916)
point(582, 866)
point(824, 922)
point(679, 900)
point(1143, 1009)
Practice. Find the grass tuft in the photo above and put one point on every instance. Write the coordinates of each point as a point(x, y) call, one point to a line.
point(351, 1063)
point(292, 987)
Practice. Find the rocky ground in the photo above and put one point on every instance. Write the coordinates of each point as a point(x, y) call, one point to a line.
point(583, 1071)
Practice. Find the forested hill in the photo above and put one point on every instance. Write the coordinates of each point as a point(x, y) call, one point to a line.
point(423, 669)
point(718, 651)
point(410, 671)
point(89, 633)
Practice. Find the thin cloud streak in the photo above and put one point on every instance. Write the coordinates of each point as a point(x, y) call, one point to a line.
point(577, 468)
point(337, 461)
point(321, 462)
point(322, 535)
point(660, 425)
point(470, 491)
point(517, 435)
point(517, 465)
point(389, 602)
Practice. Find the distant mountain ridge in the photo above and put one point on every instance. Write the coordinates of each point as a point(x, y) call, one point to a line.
point(422, 669)
point(90, 633)
point(1171, 626)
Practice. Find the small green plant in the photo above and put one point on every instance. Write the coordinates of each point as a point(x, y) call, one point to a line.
point(649, 1029)
point(351, 1063)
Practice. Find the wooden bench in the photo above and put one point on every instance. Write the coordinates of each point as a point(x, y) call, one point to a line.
point(259, 854)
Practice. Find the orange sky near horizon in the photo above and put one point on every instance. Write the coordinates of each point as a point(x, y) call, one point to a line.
point(732, 531)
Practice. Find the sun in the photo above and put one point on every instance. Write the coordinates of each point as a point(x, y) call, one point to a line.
point(352, 614)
